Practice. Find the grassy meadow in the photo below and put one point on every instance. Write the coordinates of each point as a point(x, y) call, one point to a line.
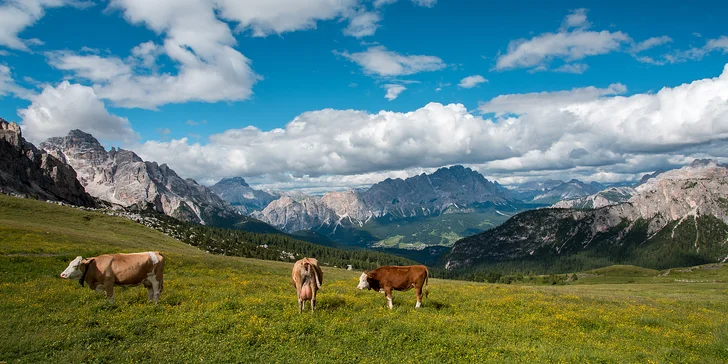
point(226, 309)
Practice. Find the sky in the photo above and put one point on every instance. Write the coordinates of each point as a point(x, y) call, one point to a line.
point(322, 95)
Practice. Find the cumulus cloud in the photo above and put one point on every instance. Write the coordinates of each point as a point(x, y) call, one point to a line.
point(586, 130)
point(56, 110)
point(197, 42)
point(393, 90)
point(472, 81)
point(650, 43)
point(279, 16)
point(382, 62)
point(16, 15)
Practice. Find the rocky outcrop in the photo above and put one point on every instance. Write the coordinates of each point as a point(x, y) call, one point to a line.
point(240, 195)
point(448, 190)
point(122, 177)
point(693, 195)
point(31, 172)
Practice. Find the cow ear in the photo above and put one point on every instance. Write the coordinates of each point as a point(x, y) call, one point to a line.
point(87, 261)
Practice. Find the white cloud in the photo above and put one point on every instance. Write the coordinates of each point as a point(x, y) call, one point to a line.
point(363, 24)
point(278, 16)
point(425, 3)
point(719, 44)
point(382, 62)
point(567, 45)
point(577, 68)
point(8, 86)
point(68, 106)
point(393, 91)
point(472, 81)
point(16, 15)
point(573, 42)
point(537, 101)
point(576, 19)
point(650, 43)
point(537, 134)
point(199, 44)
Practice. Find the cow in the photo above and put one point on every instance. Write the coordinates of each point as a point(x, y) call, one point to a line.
point(104, 271)
point(307, 278)
point(399, 278)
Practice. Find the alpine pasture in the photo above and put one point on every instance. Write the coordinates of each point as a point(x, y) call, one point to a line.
point(227, 309)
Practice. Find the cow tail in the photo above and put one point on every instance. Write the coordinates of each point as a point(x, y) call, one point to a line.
point(427, 283)
point(316, 276)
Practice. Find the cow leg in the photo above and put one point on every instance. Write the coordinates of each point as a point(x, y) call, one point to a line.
point(109, 287)
point(156, 288)
point(300, 305)
point(388, 293)
point(150, 289)
point(418, 291)
point(313, 300)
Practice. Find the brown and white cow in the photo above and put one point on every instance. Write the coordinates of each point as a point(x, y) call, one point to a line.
point(307, 278)
point(398, 278)
point(104, 271)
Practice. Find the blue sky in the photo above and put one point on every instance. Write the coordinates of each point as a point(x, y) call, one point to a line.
point(308, 56)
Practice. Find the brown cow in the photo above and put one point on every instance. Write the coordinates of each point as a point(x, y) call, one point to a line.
point(103, 272)
point(307, 278)
point(397, 278)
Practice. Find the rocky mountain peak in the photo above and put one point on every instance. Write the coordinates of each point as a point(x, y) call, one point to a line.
point(122, 177)
point(27, 171)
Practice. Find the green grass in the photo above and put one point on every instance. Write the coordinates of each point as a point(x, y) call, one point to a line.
point(228, 309)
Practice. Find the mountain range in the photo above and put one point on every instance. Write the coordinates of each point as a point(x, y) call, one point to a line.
point(240, 195)
point(121, 177)
point(675, 218)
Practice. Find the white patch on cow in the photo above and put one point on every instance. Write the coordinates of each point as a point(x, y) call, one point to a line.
point(152, 278)
point(389, 303)
point(418, 304)
point(363, 284)
point(155, 260)
point(73, 271)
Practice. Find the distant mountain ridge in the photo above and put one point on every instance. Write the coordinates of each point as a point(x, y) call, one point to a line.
point(240, 195)
point(28, 171)
point(453, 189)
point(122, 177)
point(552, 191)
point(677, 217)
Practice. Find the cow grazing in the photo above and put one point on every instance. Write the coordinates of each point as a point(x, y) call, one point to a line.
point(307, 278)
point(397, 278)
point(103, 272)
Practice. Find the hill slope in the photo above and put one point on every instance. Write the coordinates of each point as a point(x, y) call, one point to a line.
point(675, 219)
point(226, 309)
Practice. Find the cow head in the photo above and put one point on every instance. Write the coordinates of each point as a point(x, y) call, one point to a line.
point(363, 281)
point(74, 269)
point(77, 269)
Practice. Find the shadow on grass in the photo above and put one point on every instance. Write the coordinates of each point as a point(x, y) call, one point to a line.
point(437, 305)
point(330, 303)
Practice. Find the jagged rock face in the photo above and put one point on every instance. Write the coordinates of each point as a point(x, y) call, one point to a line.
point(607, 197)
point(122, 177)
point(243, 197)
point(454, 189)
point(28, 171)
point(292, 215)
point(670, 198)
